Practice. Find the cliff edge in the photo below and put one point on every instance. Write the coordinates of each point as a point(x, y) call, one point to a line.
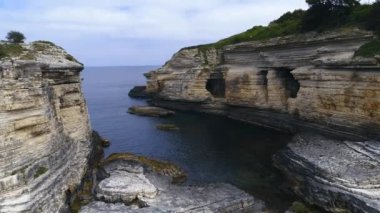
point(45, 134)
point(304, 80)
point(308, 84)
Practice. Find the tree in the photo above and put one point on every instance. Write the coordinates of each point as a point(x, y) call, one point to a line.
point(15, 37)
point(333, 4)
point(324, 14)
point(373, 18)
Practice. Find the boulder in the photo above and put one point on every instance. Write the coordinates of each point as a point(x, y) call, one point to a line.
point(125, 187)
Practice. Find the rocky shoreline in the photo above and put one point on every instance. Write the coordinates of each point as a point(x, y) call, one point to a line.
point(312, 86)
point(338, 175)
point(129, 183)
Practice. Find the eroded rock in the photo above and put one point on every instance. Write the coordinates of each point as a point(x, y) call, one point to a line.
point(312, 78)
point(150, 191)
point(336, 175)
point(138, 92)
point(125, 187)
point(44, 129)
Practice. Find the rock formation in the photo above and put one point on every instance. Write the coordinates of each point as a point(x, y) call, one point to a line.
point(310, 80)
point(139, 184)
point(338, 175)
point(44, 129)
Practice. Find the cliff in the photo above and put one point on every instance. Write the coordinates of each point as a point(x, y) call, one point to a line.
point(310, 80)
point(310, 85)
point(44, 128)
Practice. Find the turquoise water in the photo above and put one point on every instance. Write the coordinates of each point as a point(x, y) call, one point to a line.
point(209, 148)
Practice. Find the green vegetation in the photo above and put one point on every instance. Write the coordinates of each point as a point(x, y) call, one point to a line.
point(321, 16)
point(325, 14)
point(369, 49)
point(372, 21)
point(83, 197)
point(9, 50)
point(70, 57)
point(22, 170)
point(287, 24)
point(167, 127)
point(161, 167)
point(40, 171)
point(15, 37)
point(45, 42)
point(39, 46)
point(299, 207)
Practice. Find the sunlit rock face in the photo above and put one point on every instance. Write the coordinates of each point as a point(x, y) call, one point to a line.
point(304, 80)
point(44, 129)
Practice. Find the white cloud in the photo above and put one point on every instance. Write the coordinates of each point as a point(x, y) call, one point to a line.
point(74, 22)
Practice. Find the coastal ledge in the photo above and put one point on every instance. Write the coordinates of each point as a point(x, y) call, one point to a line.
point(338, 175)
point(313, 82)
point(138, 184)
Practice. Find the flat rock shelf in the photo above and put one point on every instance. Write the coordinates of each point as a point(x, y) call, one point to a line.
point(132, 186)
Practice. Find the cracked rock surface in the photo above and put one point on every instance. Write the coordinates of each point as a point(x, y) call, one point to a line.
point(336, 175)
point(134, 187)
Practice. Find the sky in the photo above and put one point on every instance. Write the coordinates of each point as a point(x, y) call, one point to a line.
point(135, 32)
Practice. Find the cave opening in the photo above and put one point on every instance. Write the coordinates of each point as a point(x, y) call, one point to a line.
point(216, 85)
point(292, 85)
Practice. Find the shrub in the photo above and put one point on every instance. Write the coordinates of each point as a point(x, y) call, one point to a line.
point(15, 37)
point(10, 50)
point(325, 14)
point(369, 49)
point(373, 18)
point(40, 171)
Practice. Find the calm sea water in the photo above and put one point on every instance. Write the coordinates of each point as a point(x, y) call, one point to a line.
point(209, 148)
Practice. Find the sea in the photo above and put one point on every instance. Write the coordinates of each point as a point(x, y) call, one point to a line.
point(209, 148)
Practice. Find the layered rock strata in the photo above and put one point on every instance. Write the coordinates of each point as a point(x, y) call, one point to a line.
point(341, 176)
point(134, 187)
point(44, 129)
point(286, 83)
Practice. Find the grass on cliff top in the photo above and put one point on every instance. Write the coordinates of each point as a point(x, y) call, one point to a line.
point(287, 24)
point(9, 50)
point(362, 16)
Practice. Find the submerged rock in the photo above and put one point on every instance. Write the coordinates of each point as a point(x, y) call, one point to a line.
point(336, 175)
point(150, 111)
point(134, 186)
point(167, 127)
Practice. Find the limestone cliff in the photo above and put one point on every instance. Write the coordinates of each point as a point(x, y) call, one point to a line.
point(310, 80)
point(44, 128)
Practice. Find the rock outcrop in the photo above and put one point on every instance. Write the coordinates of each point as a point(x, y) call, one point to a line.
point(133, 185)
point(45, 135)
point(310, 80)
point(150, 111)
point(338, 175)
point(138, 92)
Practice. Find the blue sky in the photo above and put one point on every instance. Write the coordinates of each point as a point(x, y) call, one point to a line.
point(135, 32)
